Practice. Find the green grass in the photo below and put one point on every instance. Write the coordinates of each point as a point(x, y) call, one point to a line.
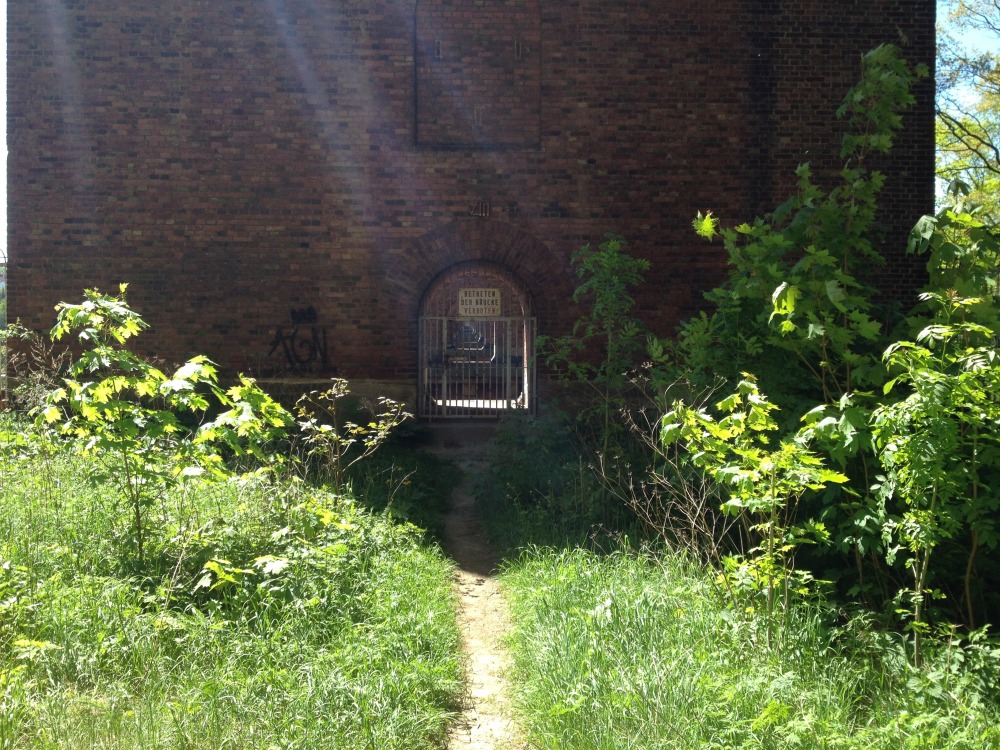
point(264, 615)
point(633, 651)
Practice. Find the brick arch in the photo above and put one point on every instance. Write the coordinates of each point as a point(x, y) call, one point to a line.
point(441, 296)
point(545, 276)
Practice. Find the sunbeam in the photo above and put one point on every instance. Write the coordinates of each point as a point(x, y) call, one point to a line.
point(68, 115)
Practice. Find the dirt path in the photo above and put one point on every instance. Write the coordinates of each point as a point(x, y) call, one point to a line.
point(486, 722)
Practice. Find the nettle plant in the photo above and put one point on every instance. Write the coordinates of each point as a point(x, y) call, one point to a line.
point(148, 429)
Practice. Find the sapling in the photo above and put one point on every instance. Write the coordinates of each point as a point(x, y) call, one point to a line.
point(607, 340)
point(136, 419)
point(763, 478)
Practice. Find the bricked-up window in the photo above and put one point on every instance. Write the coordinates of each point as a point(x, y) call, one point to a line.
point(478, 73)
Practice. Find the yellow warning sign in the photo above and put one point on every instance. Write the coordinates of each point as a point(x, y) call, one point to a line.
point(479, 303)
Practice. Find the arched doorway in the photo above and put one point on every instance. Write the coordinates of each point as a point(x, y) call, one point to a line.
point(475, 344)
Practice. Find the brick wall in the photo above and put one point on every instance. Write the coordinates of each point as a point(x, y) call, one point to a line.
point(234, 161)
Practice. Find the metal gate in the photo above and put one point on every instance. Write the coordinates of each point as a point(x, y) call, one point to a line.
point(476, 367)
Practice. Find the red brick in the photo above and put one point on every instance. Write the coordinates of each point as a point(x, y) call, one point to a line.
point(235, 160)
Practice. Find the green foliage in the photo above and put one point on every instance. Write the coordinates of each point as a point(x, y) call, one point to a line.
point(963, 254)
point(129, 414)
point(764, 478)
point(795, 310)
point(939, 445)
point(705, 225)
point(607, 339)
point(269, 614)
point(911, 436)
point(184, 596)
point(914, 432)
point(934, 445)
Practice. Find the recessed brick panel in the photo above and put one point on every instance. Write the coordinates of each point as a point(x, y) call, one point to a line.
point(478, 75)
